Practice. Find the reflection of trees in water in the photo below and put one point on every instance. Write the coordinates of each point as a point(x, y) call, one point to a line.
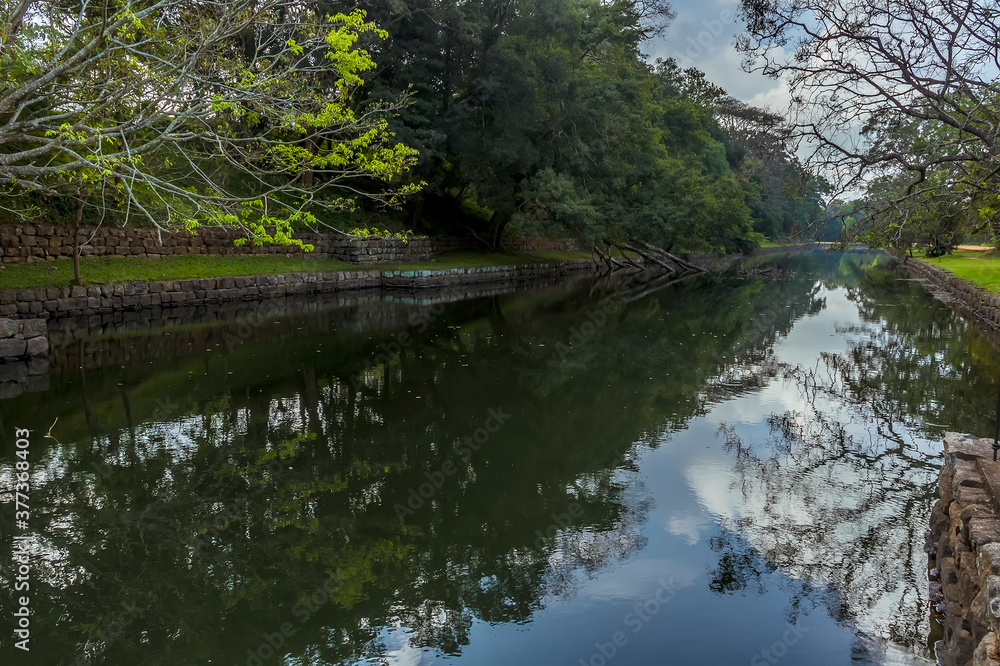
point(839, 492)
point(827, 506)
point(742, 569)
point(222, 517)
point(925, 364)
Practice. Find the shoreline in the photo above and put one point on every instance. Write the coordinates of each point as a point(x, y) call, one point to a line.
point(58, 302)
point(970, 301)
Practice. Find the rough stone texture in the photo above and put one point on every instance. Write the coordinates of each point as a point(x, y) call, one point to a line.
point(13, 348)
point(8, 328)
point(986, 653)
point(30, 243)
point(37, 346)
point(964, 547)
point(99, 300)
point(23, 343)
point(969, 300)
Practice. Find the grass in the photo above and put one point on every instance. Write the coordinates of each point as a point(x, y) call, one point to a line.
point(114, 270)
point(979, 266)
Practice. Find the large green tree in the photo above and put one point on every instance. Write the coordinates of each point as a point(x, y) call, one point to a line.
point(545, 117)
point(185, 112)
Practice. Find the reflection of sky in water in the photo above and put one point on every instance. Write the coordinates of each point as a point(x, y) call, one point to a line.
point(833, 523)
point(752, 487)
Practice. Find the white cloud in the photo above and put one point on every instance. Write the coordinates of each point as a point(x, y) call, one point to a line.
point(702, 36)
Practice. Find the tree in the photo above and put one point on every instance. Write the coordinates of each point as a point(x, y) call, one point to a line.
point(187, 112)
point(857, 68)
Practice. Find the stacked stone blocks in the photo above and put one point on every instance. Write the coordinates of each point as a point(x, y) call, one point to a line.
point(32, 243)
point(964, 546)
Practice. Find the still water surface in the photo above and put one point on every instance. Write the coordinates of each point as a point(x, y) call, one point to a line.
point(735, 470)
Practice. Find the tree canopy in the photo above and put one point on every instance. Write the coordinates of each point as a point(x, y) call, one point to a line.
point(894, 99)
point(545, 117)
point(186, 111)
point(507, 116)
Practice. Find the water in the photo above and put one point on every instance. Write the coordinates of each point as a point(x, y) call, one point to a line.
point(733, 470)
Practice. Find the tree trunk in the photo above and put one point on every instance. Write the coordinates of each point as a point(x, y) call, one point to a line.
point(77, 220)
point(498, 227)
point(313, 148)
point(418, 212)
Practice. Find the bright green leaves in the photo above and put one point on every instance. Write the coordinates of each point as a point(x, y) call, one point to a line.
point(186, 113)
point(364, 233)
point(349, 61)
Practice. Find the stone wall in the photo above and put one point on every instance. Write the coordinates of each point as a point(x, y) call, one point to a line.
point(56, 302)
point(29, 242)
point(980, 306)
point(23, 347)
point(964, 549)
point(22, 339)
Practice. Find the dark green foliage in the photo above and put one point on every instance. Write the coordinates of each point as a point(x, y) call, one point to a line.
point(543, 117)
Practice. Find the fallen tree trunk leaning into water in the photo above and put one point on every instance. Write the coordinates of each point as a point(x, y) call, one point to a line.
point(627, 259)
point(649, 258)
point(675, 259)
point(679, 268)
point(608, 259)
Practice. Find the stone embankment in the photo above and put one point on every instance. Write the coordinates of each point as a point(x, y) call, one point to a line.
point(23, 346)
point(54, 302)
point(982, 307)
point(964, 548)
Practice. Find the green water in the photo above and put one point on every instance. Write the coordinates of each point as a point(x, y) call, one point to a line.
point(733, 470)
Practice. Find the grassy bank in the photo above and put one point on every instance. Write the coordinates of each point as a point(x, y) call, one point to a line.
point(114, 270)
point(979, 266)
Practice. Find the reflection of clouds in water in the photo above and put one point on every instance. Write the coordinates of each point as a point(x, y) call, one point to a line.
point(773, 397)
point(638, 580)
point(812, 335)
point(825, 488)
point(687, 526)
point(398, 651)
point(830, 524)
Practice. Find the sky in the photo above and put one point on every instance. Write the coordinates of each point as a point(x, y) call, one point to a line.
point(702, 36)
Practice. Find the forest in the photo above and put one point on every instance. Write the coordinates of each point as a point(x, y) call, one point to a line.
point(485, 118)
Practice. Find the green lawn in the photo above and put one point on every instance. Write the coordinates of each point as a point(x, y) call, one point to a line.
point(113, 270)
point(977, 266)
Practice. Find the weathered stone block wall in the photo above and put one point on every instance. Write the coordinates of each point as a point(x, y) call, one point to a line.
point(54, 302)
point(22, 339)
point(981, 306)
point(20, 243)
point(23, 346)
point(964, 547)
point(30, 242)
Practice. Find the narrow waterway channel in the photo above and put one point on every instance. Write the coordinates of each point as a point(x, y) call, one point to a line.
point(735, 470)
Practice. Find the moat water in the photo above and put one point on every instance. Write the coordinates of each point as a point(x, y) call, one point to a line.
point(736, 469)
